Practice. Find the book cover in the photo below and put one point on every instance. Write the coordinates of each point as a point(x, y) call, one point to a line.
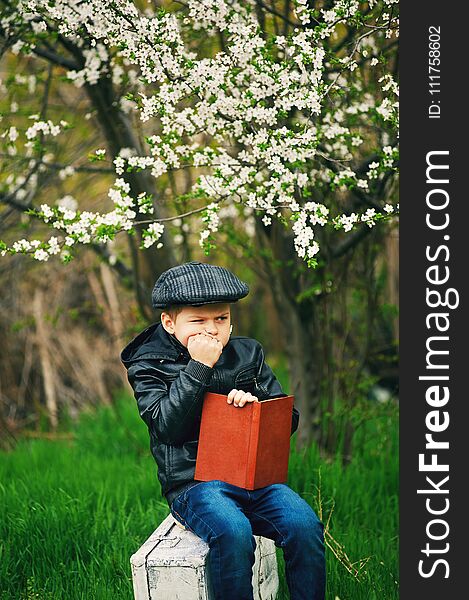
point(247, 447)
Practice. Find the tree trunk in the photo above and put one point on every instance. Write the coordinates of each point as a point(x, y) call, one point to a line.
point(119, 134)
point(43, 342)
point(302, 349)
point(298, 322)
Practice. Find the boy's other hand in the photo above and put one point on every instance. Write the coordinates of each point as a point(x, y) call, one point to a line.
point(239, 398)
point(204, 348)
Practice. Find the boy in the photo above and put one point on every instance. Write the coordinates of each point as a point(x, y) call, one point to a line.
point(170, 367)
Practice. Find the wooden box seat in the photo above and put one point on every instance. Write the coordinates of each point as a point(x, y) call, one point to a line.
point(172, 565)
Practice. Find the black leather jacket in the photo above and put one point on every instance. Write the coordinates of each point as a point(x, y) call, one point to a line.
point(169, 387)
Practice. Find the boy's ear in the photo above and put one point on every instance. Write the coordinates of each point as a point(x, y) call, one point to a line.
point(167, 323)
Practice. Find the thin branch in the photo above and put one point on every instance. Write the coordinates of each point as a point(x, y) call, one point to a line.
point(340, 71)
point(275, 12)
point(56, 59)
point(366, 59)
point(365, 199)
point(181, 216)
point(58, 166)
point(11, 200)
point(352, 240)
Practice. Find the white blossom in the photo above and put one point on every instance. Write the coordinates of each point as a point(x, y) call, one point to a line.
point(225, 114)
point(40, 255)
point(152, 234)
point(13, 134)
point(67, 202)
point(67, 171)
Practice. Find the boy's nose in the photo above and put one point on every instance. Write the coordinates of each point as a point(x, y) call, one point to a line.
point(211, 328)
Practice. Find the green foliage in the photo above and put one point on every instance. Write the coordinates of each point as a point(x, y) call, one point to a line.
point(74, 511)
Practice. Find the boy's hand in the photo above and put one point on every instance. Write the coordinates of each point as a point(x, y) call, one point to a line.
point(239, 398)
point(204, 348)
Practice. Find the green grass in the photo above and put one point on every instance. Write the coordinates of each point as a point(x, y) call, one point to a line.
point(72, 512)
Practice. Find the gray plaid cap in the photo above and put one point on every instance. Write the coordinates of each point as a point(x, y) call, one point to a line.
point(196, 283)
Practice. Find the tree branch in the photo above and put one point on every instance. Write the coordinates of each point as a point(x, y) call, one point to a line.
point(352, 240)
point(56, 59)
point(10, 200)
point(58, 166)
point(276, 13)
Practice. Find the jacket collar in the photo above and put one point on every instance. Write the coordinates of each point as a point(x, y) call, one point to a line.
point(153, 343)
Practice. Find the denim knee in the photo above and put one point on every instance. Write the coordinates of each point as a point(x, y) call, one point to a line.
point(236, 538)
point(305, 527)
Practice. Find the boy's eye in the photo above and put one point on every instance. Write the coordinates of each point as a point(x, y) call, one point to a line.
point(201, 320)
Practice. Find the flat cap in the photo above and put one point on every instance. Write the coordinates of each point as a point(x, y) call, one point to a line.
point(196, 283)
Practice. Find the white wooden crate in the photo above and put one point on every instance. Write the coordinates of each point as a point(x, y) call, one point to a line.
point(172, 565)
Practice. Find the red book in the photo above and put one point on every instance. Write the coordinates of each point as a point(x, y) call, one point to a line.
point(248, 446)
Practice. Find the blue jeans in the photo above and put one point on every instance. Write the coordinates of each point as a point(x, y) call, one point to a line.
point(227, 516)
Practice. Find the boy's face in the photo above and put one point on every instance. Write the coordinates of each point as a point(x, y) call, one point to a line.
point(210, 319)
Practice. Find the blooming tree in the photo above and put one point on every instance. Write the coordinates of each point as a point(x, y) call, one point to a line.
point(284, 113)
point(261, 120)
